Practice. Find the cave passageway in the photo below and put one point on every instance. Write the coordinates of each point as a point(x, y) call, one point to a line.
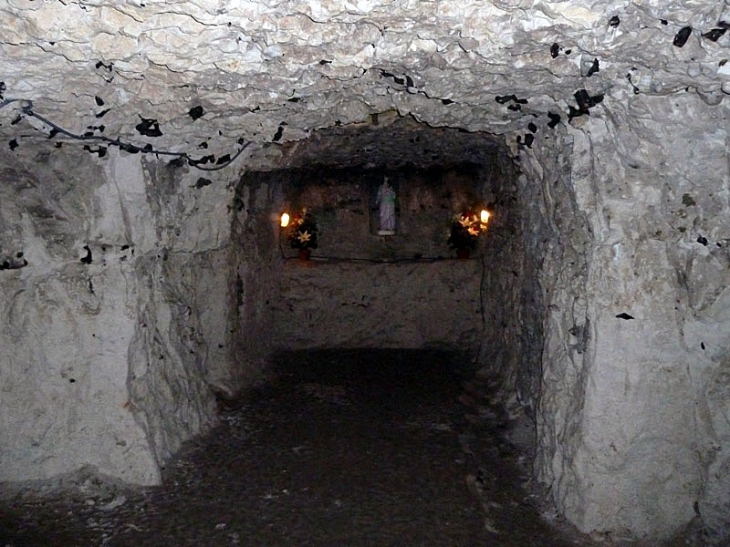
point(355, 447)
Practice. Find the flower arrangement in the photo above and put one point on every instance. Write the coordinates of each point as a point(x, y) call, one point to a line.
point(303, 231)
point(465, 230)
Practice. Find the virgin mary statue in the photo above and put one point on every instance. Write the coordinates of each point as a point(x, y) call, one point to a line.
point(386, 202)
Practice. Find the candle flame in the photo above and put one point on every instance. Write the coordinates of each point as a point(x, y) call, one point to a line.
point(285, 220)
point(484, 216)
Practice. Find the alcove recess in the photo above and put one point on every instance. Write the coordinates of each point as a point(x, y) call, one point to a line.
point(362, 290)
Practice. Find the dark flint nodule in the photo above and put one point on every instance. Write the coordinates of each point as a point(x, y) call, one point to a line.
point(714, 34)
point(196, 112)
point(396, 79)
point(636, 89)
point(586, 101)
point(148, 127)
point(575, 113)
point(682, 36)
point(614, 21)
point(554, 120)
point(86, 259)
point(100, 150)
point(554, 50)
point(502, 99)
point(594, 68)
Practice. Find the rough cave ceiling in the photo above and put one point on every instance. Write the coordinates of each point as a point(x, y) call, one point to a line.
point(201, 78)
point(388, 140)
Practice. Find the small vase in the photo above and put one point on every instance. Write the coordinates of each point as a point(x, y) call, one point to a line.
point(463, 253)
point(304, 254)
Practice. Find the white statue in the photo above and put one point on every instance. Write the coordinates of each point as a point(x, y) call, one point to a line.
point(386, 202)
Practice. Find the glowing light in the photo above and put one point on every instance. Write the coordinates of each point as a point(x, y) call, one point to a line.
point(285, 220)
point(484, 216)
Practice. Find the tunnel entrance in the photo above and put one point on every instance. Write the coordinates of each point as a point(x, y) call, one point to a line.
point(398, 323)
point(361, 295)
point(407, 289)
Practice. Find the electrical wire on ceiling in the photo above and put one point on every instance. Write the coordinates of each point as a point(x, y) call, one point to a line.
point(27, 109)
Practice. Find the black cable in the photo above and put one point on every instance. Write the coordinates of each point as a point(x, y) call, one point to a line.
point(226, 164)
point(378, 261)
point(27, 109)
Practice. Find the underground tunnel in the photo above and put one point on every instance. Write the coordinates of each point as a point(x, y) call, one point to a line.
point(150, 149)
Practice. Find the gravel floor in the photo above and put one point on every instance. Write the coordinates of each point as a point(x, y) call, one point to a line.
point(380, 448)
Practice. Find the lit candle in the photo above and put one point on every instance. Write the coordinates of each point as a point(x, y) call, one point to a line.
point(484, 216)
point(284, 220)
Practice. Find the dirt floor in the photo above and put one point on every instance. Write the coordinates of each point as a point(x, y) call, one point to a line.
point(377, 448)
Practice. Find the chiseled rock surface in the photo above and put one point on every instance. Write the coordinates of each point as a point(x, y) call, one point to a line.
point(615, 110)
point(175, 75)
point(105, 358)
point(630, 427)
point(408, 305)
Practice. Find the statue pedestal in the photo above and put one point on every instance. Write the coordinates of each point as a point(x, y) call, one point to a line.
point(386, 232)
